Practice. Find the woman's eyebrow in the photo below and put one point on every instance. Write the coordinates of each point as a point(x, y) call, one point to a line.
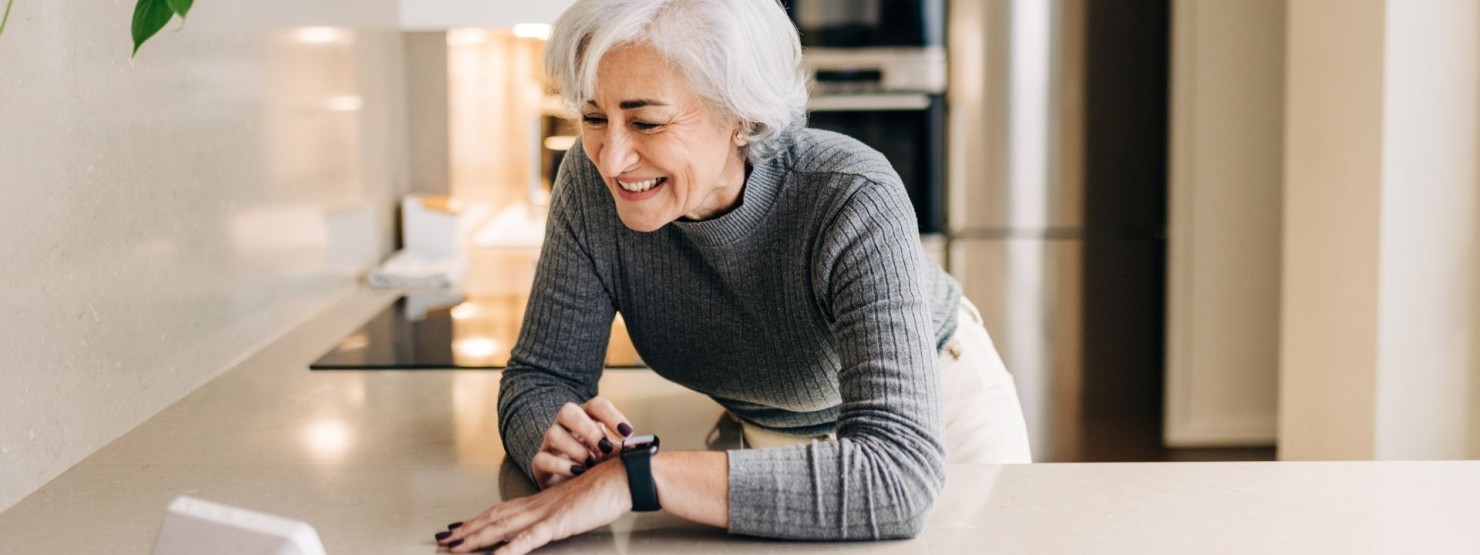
point(638, 103)
point(632, 104)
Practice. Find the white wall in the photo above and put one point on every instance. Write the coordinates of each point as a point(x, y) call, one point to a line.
point(1429, 269)
point(163, 217)
point(1226, 183)
point(1379, 310)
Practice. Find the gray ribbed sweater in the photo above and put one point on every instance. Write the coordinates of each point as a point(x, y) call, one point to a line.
point(810, 308)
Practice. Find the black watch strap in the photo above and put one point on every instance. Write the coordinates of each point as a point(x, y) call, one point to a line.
point(637, 455)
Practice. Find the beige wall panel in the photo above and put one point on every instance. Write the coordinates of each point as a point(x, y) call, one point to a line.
point(1333, 154)
point(1225, 221)
point(427, 100)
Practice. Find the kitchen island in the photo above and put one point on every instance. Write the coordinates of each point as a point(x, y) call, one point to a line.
point(378, 461)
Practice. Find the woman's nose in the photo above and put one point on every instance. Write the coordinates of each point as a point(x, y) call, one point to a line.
point(617, 154)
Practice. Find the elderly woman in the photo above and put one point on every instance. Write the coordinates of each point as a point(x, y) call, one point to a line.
point(774, 268)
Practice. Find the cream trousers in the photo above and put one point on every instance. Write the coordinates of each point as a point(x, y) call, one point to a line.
point(984, 420)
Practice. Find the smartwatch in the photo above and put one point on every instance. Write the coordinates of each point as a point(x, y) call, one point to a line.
point(637, 456)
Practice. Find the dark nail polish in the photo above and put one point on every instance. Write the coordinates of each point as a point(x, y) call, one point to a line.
point(577, 469)
point(590, 461)
point(443, 535)
point(624, 429)
point(454, 526)
point(605, 445)
point(454, 544)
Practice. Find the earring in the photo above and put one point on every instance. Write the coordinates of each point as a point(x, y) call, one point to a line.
point(740, 138)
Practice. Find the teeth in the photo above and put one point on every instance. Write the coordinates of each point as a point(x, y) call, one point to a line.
point(640, 186)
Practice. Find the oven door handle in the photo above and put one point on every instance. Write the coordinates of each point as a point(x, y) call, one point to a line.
point(868, 102)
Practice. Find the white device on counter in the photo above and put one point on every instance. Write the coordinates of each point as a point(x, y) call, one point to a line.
point(437, 226)
point(194, 526)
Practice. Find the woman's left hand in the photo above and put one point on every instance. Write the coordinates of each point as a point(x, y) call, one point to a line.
point(572, 507)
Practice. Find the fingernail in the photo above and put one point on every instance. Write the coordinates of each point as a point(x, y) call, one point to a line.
point(443, 535)
point(590, 461)
point(624, 429)
point(577, 469)
point(454, 526)
point(606, 444)
point(454, 544)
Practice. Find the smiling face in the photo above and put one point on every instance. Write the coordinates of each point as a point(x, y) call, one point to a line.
point(662, 150)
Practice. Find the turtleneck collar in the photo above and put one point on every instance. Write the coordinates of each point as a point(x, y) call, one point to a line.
point(762, 187)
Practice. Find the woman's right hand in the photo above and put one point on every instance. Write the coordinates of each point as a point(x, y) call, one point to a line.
point(579, 439)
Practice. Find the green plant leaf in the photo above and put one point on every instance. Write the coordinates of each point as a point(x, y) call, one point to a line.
point(180, 7)
point(149, 17)
point(6, 19)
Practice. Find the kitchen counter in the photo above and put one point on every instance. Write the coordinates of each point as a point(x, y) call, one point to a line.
point(379, 461)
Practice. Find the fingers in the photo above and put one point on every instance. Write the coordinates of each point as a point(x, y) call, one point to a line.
point(528, 540)
point(574, 418)
point(488, 529)
point(456, 536)
point(579, 435)
point(605, 412)
point(520, 525)
point(556, 465)
point(496, 532)
point(559, 441)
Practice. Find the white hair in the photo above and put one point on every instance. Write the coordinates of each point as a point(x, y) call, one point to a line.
point(741, 55)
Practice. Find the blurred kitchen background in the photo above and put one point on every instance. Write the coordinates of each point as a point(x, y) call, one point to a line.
point(1199, 229)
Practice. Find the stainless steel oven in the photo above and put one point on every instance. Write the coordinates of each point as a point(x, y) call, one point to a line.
point(908, 129)
point(892, 99)
point(869, 23)
point(878, 74)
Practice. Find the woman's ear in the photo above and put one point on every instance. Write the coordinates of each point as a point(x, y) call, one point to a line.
point(741, 135)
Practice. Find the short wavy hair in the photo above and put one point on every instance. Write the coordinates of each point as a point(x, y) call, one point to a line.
point(743, 56)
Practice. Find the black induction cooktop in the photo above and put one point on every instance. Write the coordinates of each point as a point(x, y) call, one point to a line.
point(446, 331)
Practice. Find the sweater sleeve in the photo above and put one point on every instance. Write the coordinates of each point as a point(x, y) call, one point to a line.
point(562, 343)
point(880, 479)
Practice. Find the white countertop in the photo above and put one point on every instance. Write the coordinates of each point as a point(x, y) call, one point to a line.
point(379, 461)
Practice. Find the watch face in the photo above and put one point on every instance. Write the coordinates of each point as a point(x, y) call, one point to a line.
point(640, 443)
